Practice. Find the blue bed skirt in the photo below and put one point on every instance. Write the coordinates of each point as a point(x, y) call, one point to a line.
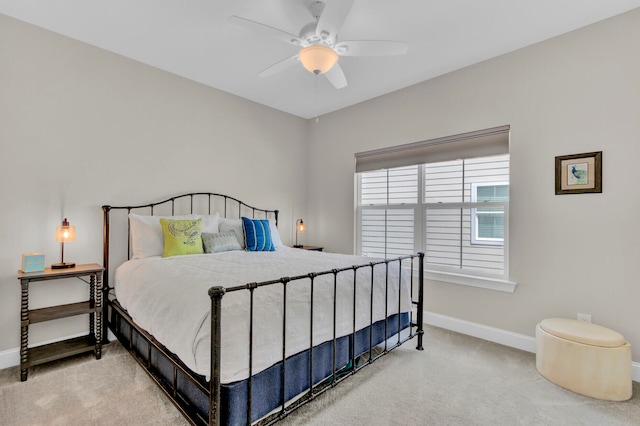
point(267, 389)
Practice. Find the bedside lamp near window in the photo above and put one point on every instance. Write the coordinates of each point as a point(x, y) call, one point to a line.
point(300, 227)
point(64, 234)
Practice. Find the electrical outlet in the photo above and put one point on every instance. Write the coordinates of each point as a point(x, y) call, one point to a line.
point(584, 317)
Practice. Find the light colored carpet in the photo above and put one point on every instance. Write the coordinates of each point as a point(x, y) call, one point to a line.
point(456, 380)
point(114, 390)
point(459, 380)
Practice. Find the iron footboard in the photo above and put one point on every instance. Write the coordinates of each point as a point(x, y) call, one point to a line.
point(339, 373)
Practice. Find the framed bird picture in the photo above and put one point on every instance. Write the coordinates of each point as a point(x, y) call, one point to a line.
point(579, 173)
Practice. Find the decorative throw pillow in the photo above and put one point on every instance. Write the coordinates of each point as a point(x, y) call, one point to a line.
point(235, 225)
point(257, 234)
point(219, 242)
point(146, 234)
point(147, 238)
point(181, 236)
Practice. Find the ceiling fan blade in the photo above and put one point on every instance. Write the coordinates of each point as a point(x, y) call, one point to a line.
point(266, 30)
point(336, 77)
point(371, 48)
point(279, 66)
point(333, 16)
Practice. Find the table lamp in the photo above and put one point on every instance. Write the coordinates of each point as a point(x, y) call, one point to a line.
point(300, 227)
point(64, 233)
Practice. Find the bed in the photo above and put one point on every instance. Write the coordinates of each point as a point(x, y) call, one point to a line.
point(243, 330)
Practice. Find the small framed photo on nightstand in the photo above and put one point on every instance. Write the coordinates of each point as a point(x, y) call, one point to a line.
point(32, 262)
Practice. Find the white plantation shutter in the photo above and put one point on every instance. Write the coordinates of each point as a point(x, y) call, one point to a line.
point(451, 207)
point(387, 232)
point(449, 245)
point(397, 186)
point(386, 224)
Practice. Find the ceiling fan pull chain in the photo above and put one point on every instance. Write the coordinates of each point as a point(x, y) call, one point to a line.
point(315, 77)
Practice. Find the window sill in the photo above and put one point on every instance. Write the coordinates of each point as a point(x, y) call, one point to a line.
point(472, 281)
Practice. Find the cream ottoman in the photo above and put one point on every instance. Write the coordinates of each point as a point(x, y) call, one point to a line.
point(584, 358)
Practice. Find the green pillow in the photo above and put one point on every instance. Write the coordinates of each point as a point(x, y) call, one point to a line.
point(181, 236)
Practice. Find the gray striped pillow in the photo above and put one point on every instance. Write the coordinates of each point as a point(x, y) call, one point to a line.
point(221, 241)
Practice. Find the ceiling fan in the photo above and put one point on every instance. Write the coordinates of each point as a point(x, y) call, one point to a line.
point(319, 44)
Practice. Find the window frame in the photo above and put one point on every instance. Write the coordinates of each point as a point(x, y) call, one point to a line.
point(475, 239)
point(442, 274)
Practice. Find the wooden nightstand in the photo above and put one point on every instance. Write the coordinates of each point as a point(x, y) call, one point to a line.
point(91, 342)
point(311, 248)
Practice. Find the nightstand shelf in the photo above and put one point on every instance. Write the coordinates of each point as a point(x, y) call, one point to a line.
point(91, 342)
point(62, 311)
point(62, 349)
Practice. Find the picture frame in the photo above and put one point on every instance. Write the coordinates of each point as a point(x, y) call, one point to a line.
point(579, 173)
point(32, 262)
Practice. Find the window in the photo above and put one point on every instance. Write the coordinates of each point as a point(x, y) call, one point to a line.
point(464, 222)
point(487, 223)
point(454, 210)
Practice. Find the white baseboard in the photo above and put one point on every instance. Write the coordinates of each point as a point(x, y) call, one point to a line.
point(496, 335)
point(9, 358)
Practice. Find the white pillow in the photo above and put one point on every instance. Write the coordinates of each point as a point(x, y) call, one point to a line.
point(146, 232)
point(209, 223)
point(275, 234)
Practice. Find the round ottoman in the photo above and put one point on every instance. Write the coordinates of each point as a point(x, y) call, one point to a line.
point(584, 358)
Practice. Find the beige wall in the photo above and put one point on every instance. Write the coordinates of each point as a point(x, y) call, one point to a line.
point(81, 127)
point(573, 253)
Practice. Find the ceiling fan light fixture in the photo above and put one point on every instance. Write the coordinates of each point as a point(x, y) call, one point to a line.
point(318, 59)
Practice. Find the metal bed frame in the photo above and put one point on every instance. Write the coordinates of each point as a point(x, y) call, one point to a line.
point(185, 388)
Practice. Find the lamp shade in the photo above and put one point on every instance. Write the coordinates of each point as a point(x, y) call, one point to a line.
point(318, 59)
point(65, 233)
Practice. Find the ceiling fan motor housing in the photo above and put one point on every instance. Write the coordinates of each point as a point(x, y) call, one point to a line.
point(308, 33)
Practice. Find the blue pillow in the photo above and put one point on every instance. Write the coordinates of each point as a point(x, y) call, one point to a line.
point(257, 235)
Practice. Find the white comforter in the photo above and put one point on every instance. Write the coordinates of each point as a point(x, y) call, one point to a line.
point(168, 297)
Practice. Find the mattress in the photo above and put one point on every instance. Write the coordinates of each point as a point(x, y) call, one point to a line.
point(168, 298)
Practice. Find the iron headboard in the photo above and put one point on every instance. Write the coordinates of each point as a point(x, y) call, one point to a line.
point(190, 203)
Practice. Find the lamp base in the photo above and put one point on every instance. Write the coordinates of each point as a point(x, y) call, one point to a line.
point(298, 246)
point(63, 265)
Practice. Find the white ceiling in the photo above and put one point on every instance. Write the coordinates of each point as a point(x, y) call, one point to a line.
point(196, 40)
